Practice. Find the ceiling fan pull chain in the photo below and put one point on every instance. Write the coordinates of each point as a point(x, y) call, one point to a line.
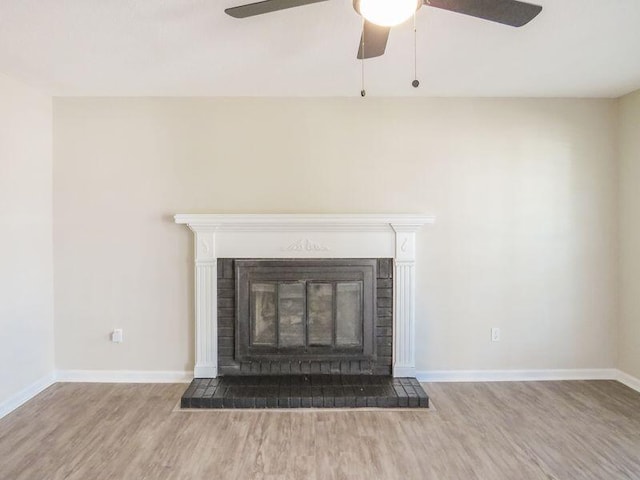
point(416, 82)
point(363, 92)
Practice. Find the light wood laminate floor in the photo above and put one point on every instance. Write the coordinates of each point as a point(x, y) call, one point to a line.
point(534, 430)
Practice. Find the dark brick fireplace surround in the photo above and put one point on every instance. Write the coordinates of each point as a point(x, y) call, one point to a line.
point(379, 364)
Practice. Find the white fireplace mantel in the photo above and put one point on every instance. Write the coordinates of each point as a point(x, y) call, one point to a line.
point(304, 236)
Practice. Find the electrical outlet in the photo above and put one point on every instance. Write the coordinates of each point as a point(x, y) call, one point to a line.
point(495, 334)
point(116, 335)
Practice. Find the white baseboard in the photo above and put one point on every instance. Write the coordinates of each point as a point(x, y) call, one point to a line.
point(516, 375)
point(124, 376)
point(26, 394)
point(136, 376)
point(629, 381)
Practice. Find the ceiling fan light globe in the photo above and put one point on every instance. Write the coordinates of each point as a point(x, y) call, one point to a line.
point(388, 13)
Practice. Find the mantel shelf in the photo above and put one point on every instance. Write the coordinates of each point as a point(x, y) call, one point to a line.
point(304, 222)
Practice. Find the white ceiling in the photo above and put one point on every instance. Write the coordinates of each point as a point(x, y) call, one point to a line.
point(574, 48)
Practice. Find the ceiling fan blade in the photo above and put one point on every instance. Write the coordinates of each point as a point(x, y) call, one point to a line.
point(375, 40)
point(507, 12)
point(267, 6)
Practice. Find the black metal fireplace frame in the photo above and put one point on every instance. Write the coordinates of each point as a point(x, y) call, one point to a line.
point(308, 271)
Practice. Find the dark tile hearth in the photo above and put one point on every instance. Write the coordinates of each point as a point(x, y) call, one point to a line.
point(305, 391)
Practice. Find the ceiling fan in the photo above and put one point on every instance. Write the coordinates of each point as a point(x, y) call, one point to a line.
point(380, 15)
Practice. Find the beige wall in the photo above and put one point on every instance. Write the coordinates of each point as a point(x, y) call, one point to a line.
point(26, 252)
point(629, 340)
point(525, 192)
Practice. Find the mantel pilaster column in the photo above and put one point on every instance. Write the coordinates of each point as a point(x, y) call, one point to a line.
point(404, 357)
point(206, 288)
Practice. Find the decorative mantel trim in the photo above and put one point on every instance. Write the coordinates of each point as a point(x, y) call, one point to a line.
point(304, 236)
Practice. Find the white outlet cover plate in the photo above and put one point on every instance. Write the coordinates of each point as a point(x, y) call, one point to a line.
point(116, 335)
point(495, 334)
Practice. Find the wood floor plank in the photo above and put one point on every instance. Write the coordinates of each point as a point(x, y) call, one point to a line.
point(520, 430)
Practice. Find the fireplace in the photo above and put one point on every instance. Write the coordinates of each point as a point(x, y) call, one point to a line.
point(289, 237)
